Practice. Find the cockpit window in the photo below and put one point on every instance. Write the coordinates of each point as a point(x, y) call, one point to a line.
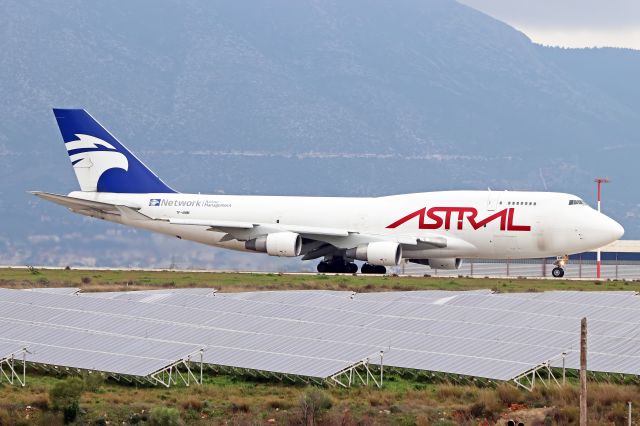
point(574, 202)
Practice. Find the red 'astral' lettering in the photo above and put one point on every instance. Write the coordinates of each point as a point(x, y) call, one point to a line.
point(441, 218)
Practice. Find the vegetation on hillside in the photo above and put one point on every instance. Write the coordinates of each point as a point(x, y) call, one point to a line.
point(225, 399)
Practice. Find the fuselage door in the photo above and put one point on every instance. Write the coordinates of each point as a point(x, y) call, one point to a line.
point(492, 200)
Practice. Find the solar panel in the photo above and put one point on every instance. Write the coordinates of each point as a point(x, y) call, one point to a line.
point(549, 320)
point(319, 333)
point(159, 325)
point(141, 295)
point(9, 348)
point(54, 290)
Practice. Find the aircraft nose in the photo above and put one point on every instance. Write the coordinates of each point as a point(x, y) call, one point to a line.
point(613, 230)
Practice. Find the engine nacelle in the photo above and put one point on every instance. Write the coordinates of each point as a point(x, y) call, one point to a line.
point(383, 253)
point(287, 244)
point(445, 263)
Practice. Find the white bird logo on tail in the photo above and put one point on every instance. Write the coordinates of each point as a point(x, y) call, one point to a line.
point(98, 157)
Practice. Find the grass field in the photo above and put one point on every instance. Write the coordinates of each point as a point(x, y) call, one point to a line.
point(103, 280)
point(224, 399)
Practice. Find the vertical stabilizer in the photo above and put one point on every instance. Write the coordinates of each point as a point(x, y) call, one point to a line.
point(101, 163)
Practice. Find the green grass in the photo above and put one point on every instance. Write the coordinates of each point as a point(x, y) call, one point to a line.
point(97, 280)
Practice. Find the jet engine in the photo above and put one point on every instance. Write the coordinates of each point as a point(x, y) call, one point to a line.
point(444, 263)
point(288, 244)
point(383, 253)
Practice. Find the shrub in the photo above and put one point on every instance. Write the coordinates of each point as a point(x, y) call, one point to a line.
point(567, 395)
point(607, 394)
point(65, 397)
point(164, 416)
point(508, 394)
point(85, 280)
point(239, 407)
point(566, 415)
point(618, 413)
point(449, 391)
point(313, 402)
point(93, 382)
point(486, 406)
point(70, 412)
point(192, 404)
point(279, 404)
point(41, 402)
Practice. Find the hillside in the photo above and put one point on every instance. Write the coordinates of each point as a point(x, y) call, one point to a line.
point(290, 97)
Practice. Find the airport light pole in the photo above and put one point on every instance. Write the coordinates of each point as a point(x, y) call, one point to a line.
point(599, 181)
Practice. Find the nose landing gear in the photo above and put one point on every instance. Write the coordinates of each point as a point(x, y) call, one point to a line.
point(558, 271)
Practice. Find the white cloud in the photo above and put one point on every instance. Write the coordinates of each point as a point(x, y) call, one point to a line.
point(569, 23)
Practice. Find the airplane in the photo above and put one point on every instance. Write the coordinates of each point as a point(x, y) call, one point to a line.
point(437, 229)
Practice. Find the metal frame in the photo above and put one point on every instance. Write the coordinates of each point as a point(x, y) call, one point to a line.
point(13, 376)
point(352, 375)
point(171, 374)
point(527, 380)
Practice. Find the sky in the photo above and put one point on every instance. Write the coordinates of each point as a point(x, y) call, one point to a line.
point(569, 23)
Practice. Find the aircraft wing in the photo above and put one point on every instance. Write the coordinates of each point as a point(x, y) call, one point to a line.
point(248, 230)
point(318, 240)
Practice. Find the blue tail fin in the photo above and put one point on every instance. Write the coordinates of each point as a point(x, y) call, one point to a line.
point(101, 163)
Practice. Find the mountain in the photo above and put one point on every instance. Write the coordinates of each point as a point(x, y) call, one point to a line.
point(358, 97)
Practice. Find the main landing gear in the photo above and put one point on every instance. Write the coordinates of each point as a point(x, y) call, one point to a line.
point(558, 271)
point(339, 265)
point(373, 269)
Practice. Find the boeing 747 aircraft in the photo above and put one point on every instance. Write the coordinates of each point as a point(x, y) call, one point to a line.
point(432, 228)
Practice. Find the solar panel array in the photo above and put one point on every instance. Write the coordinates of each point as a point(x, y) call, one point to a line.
point(497, 336)
point(9, 348)
point(136, 338)
point(319, 333)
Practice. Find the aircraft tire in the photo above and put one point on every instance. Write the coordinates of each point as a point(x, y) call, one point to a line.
point(557, 272)
point(351, 268)
point(323, 267)
point(373, 269)
point(366, 269)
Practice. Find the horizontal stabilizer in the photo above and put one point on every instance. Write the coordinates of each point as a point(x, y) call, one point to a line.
point(76, 203)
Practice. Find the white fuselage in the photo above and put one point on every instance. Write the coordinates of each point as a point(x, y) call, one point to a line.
point(476, 224)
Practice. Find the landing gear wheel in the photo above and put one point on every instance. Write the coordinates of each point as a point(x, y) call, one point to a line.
point(373, 269)
point(557, 272)
point(323, 267)
point(366, 269)
point(337, 265)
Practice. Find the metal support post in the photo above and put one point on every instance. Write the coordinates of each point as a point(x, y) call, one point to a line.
point(583, 372)
point(599, 181)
